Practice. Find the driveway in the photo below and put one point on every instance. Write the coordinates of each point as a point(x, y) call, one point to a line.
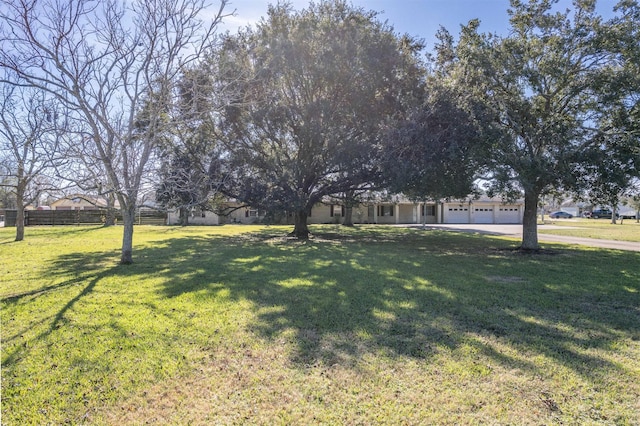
point(516, 232)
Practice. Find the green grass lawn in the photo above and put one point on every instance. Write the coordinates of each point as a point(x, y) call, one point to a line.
point(372, 325)
point(601, 229)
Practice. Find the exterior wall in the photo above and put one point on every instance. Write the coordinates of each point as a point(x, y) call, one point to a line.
point(196, 218)
point(361, 214)
point(80, 202)
point(383, 213)
point(407, 213)
point(321, 213)
point(429, 213)
point(244, 215)
point(75, 203)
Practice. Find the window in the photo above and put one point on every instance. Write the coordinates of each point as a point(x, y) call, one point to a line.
point(428, 210)
point(385, 210)
point(337, 210)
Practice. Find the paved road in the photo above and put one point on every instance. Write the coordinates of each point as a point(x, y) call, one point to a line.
point(516, 231)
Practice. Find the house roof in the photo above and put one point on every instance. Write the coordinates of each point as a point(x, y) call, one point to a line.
point(81, 200)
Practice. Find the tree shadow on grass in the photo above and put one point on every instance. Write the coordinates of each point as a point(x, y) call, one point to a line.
point(414, 294)
point(339, 297)
point(80, 272)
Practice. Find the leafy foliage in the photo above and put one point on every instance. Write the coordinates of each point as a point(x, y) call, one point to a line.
point(314, 92)
point(541, 82)
point(431, 155)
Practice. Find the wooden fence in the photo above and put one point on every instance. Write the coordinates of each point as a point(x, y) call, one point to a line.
point(79, 217)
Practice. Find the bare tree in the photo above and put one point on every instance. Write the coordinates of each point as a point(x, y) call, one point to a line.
point(29, 146)
point(113, 66)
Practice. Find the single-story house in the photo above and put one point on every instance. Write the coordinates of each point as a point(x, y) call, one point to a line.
point(80, 202)
point(397, 211)
point(403, 211)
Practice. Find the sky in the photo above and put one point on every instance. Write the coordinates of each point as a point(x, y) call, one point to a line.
point(419, 18)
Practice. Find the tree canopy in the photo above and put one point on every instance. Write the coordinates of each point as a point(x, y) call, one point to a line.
point(541, 83)
point(314, 92)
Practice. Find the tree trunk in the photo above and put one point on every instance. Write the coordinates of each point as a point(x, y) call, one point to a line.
point(128, 218)
point(20, 223)
point(110, 219)
point(613, 215)
point(530, 221)
point(348, 216)
point(184, 216)
point(19, 215)
point(300, 228)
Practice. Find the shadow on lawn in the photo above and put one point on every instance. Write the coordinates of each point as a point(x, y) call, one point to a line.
point(87, 272)
point(402, 294)
point(414, 294)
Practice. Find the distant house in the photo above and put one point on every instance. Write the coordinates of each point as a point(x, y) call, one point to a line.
point(80, 202)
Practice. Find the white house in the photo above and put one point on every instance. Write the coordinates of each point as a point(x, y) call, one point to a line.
point(396, 211)
point(196, 217)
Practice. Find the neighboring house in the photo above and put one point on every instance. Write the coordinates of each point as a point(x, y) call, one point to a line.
point(399, 211)
point(80, 202)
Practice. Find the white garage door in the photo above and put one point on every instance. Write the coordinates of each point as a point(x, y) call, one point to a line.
point(483, 214)
point(508, 214)
point(457, 214)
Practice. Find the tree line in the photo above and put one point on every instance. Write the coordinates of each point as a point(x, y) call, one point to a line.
point(327, 102)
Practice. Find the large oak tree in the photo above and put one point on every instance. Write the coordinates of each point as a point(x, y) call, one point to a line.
point(541, 83)
point(431, 155)
point(313, 93)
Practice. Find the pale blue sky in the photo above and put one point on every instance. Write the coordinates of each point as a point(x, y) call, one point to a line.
point(420, 18)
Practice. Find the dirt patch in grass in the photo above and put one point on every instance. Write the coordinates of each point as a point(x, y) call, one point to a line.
point(505, 279)
point(530, 252)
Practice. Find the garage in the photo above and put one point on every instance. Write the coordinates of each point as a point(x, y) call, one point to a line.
point(508, 214)
point(483, 214)
point(456, 214)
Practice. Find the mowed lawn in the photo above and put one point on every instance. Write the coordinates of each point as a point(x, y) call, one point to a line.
point(371, 325)
point(602, 229)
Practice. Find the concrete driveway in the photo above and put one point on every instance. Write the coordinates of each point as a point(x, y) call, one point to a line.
point(516, 232)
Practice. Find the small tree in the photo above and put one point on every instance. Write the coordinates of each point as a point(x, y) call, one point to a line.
point(186, 178)
point(633, 201)
point(29, 146)
point(111, 65)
